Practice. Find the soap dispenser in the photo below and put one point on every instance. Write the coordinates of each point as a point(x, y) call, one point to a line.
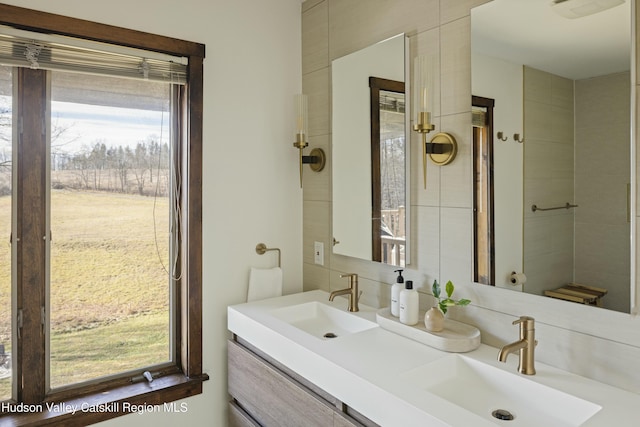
point(409, 304)
point(396, 288)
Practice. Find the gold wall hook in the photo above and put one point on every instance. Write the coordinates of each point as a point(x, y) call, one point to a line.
point(501, 136)
point(517, 138)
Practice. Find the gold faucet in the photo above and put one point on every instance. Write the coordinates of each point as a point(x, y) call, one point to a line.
point(352, 291)
point(526, 345)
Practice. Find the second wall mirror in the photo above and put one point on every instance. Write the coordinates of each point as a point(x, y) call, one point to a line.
point(369, 154)
point(561, 84)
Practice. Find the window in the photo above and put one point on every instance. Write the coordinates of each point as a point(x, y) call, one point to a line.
point(100, 159)
point(5, 230)
point(110, 195)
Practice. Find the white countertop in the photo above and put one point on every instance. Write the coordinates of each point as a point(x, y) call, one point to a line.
point(368, 370)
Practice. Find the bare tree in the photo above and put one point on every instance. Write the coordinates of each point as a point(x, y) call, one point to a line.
point(122, 164)
point(5, 136)
point(140, 164)
point(59, 140)
point(98, 159)
point(5, 151)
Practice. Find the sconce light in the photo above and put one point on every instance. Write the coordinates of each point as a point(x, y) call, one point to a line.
point(317, 159)
point(442, 148)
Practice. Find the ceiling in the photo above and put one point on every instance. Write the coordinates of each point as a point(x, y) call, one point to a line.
point(530, 32)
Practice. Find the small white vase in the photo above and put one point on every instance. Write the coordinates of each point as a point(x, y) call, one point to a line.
point(434, 320)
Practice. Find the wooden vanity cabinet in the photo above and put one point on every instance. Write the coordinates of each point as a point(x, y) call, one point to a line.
point(266, 393)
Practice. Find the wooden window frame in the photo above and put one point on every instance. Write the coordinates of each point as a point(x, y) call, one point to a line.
point(376, 84)
point(488, 104)
point(185, 378)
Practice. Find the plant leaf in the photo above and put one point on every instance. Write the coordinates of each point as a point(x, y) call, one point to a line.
point(449, 288)
point(443, 307)
point(463, 302)
point(436, 289)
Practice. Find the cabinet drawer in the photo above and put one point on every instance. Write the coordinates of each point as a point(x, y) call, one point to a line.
point(239, 418)
point(341, 420)
point(270, 396)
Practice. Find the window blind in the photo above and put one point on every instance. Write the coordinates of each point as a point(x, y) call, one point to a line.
point(52, 52)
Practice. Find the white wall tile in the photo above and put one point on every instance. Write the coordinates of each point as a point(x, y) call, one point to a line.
point(315, 39)
point(316, 85)
point(455, 67)
point(571, 336)
point(355, 24)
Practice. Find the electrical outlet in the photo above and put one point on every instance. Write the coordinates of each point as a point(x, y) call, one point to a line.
point(318, 253)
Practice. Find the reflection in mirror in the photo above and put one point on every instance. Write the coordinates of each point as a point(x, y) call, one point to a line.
point(358, 230)
point(483, 218)
point(388, 192)
point(572, 107)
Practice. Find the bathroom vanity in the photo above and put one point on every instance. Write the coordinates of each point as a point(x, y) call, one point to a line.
point(302, 360)
point(265, 390)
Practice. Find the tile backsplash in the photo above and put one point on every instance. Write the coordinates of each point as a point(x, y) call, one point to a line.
point(571, 337)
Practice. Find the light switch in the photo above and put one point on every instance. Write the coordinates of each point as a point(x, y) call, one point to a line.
point(318, 253)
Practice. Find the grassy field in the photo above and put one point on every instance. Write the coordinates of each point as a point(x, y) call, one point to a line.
point(109, 286)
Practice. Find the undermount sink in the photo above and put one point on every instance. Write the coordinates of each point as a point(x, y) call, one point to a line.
point(322, 321)
point(484, 389)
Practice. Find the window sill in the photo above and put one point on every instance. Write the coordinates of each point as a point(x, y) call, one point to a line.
point(141, 397)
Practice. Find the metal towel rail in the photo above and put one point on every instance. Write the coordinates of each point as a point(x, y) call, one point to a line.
point(261, 249)
point(566, 206)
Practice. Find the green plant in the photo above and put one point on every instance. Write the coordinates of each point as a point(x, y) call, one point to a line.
point(445, 303)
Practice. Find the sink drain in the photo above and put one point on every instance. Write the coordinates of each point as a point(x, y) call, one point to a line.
point(502, 414)
point(330, 335)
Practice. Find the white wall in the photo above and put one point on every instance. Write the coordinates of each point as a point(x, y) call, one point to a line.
point(250, 178)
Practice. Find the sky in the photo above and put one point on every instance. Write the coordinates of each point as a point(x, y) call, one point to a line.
point(86, 124)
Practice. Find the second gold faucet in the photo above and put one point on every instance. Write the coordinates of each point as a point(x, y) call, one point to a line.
point(525, 345)
point(351, 291)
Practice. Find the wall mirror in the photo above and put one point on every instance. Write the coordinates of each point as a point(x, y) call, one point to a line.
point(370, 156)
point(561, 141)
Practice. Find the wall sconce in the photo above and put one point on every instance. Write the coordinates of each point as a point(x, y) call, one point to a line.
point(317, 159)
point(442, 148)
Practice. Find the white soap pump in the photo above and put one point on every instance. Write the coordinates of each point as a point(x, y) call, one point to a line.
point(396, 288)
point(409, 305)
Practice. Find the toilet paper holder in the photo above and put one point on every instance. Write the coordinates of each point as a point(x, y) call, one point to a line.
point(517, 278)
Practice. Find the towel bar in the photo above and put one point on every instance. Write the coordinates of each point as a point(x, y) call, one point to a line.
point(261, 249)
point(566, 206)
